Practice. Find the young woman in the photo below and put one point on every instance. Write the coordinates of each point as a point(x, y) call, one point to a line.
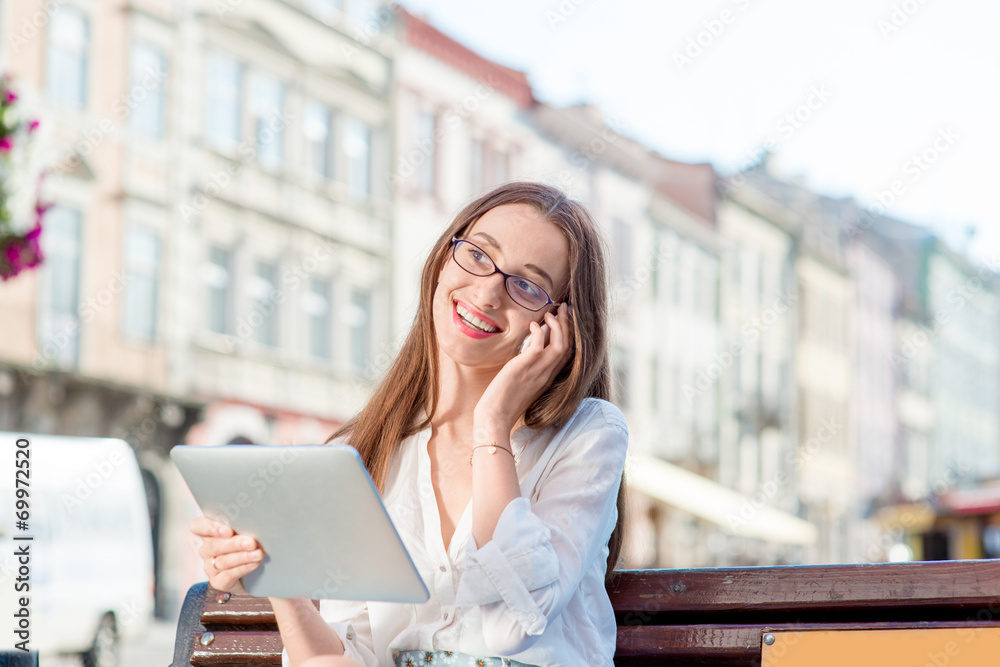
point(500, 468)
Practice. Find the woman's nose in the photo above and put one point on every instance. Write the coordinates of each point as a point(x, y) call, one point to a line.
point(490, 290)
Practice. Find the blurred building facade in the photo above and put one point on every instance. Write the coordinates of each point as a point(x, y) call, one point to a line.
point(873, 331)
point(219, 257)
point(875, 400)
point(824, 373)
point(459, 129)
point(946, 365)
point(759, 419)
point(665, 329)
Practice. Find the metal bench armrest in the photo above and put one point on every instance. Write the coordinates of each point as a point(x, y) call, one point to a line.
point(188, 624)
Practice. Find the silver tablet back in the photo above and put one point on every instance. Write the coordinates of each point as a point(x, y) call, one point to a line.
point(316, 513)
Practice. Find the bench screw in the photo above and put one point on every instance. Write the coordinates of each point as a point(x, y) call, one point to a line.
point(222, 598)
point(207, 639)
point(768, 638)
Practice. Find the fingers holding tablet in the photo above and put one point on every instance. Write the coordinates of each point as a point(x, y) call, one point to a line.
point(202, 526)
point(227, 557)
point(230, 579)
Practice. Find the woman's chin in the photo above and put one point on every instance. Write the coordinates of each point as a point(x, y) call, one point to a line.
point(472, 359)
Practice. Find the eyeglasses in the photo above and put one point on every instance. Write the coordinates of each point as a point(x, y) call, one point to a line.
point(474, 259)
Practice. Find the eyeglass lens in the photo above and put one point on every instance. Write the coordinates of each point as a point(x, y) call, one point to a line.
point(475, 260)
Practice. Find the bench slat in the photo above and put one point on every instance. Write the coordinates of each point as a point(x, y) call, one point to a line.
point(802, 587)
point(711, 642)
point(238, 609)
point(739, 644)
point(238, 648)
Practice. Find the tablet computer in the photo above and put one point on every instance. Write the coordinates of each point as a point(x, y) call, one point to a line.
point(316, 513)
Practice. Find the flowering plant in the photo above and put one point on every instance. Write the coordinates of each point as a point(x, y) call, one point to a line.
point(21, 211)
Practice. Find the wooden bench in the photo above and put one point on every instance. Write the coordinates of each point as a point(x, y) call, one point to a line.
point(704, 616)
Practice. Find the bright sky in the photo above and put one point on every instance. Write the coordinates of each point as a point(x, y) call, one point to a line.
point(886, 80)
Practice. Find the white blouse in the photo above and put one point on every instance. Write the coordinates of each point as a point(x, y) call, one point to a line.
point(534, 593)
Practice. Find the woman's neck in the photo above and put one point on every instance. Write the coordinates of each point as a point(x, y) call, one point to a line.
point(459, 391)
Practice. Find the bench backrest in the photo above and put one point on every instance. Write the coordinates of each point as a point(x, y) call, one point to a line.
point(719, 615)
point(709, 615)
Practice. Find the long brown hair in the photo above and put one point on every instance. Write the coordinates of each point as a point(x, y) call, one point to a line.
point(411, 383)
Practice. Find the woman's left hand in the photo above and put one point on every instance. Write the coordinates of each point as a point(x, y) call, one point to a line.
point(525, 377)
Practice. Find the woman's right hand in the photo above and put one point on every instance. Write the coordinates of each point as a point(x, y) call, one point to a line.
point(228, 557)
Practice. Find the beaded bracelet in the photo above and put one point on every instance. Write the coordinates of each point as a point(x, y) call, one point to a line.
point(493, 448)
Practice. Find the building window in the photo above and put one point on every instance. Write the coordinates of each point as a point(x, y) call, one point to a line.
point(359, 321)
point(622, 235)
point(738, 375)
point(317, 303)
point(426, 148)
point(148, 81)
point(267, 103)
point(678, 273)
point(358, 146)
point(489, 166)
point(678, 392)
point(654, 270)
point(316, 127)
point(496, 166)
point(697, 283)
point(804, 302)
point(264, 292)
point(477, 183)
point(222, 101)
point(142, 267)
point(69, 37)
point(59, 329)
point(654, 384)
point(620, 362)
point(217, 275)
point(709, 289)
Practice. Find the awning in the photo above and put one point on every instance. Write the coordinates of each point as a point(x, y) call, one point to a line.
point(977, 500)
point(733, 512)
point(907, 517)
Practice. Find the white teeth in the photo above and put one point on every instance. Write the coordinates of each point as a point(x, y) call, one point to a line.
point(474, 321)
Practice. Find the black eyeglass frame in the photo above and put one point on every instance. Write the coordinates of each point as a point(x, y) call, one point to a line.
point(455, 241)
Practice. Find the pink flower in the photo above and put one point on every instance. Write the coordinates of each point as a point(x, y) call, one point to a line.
point(33, 125)
point(40, 210)
point(20, 253)
point(11, 97)
point(33, 246)
point(6, 145)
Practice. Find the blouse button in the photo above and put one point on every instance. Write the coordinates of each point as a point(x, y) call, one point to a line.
point(443, 568)
point(445, 616)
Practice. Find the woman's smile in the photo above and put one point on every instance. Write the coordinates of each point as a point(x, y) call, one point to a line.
point(473, 323)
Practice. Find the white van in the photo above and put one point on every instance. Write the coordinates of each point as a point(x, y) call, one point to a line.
point(90, 559)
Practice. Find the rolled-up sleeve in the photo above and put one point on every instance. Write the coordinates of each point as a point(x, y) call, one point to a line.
point(531, 568)
point(349, 619)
